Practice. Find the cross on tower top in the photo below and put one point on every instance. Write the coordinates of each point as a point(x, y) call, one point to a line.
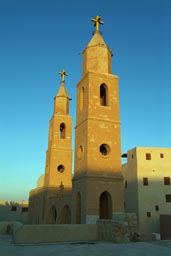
point(97, 21)
point(63, 73)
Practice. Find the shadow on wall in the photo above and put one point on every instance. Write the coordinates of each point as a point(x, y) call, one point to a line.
point(149, 198)
point(14, 211)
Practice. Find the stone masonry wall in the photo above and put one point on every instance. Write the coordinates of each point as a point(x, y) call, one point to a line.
point(121, 229)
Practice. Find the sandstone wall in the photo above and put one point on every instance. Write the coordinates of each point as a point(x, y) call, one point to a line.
point(28, 234)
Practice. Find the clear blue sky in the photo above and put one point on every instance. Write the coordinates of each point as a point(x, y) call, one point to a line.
point(38, 38)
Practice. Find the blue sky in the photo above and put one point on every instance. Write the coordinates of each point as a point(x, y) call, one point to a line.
point(41, 37)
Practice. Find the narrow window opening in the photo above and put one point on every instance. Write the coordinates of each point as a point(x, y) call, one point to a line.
point(145, 181)
point(80, 152)
point(62, 131)
point(157, 208)
point(103, 95)
point(126, 184)
point(81, 98)
point(166, 180)
point(161, 155)
point(148, 214)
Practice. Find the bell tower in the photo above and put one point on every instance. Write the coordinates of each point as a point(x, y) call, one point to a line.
point(58, 171)
point(97, 182)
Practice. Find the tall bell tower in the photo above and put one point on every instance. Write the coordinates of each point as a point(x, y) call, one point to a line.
point(97, 182)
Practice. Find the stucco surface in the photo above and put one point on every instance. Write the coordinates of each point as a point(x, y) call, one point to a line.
point(53, 233)
point(162, 248)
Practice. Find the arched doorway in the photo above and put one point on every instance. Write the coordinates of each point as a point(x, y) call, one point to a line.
point(105, 206)
point(78, 208)
point(66, 215)
point(52, 215)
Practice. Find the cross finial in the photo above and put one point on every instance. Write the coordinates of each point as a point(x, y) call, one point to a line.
point(63, 73)
point(97, 21)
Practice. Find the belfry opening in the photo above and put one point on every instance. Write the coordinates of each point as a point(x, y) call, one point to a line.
point(103, 95)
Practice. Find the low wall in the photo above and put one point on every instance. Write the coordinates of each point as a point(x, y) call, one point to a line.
point(121, 228)
point(28, 234)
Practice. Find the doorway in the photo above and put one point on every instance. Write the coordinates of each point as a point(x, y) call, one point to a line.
point(105, 206)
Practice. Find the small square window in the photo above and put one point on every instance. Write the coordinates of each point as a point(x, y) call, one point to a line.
point(161, 155)
point(168, 198)
point(157, 208)
point(148, 214)
point(13, 208)
point(148, 156)
point(166, 180)
point(24, 209)
point(145, 181)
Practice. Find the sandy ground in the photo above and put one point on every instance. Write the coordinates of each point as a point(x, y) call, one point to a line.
point(158, 248)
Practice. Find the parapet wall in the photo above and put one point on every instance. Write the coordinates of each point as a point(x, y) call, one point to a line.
point(28, 234)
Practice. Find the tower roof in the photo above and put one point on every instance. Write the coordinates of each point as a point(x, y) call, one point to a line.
point(62, 91)
point(97, 39)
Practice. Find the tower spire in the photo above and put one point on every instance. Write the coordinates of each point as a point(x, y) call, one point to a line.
point(61, 104)
point(97, 21)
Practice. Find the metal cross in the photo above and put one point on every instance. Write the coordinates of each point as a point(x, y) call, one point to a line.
point(63, 73)
point(97, 21)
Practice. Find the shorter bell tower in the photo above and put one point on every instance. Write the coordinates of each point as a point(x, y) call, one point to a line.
point(58, 171)
point(50, 202)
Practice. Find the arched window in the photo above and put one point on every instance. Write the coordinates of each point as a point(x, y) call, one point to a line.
point(52, 215)
point(81, 98)
point(103, 95)
point(66, 215)
point(62, 131)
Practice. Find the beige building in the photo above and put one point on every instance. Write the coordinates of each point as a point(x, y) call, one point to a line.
point(147, 176)
point(14, 211)
point(96, 189)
